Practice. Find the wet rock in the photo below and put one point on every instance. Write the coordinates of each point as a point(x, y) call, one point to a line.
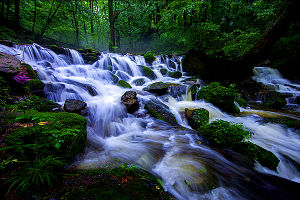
point(160, 111)
point(122, 75)
point(114, 78)
point(297, 100)
point(7, 43)
point(163, 71)
point(194, 89)
point(89, 55)
point(139, 82)
point(176, 74)
point(255, 152)
point(84, 112)
point(146, 71)
point(274, 100)
point(158, 88)
point(56, 49)
point(123, 84)
point(177, 90)
point(9, 65)
point(74, 105)
point(130, 100)
point(197, 117)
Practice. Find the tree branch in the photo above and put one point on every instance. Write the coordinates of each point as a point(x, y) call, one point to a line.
point(117, 14)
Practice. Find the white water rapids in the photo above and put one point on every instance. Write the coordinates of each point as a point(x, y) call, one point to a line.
point(188, 169)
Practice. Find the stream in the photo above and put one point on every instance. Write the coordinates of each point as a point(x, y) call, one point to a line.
point(174, 153)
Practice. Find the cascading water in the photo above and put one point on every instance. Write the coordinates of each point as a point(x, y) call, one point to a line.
point(273, 79)
point(189, 169)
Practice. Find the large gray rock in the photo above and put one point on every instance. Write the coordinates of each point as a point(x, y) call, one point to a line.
point(74, 106)
point(158, 88)
point(130, 100)
point(160, 111)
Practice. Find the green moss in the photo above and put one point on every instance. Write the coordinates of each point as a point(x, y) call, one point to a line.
point(219, 96)
point(197, 117)
point(225, 134)
point(146, 71)
point(123, 84)
point(242, 102)
point(60, 134)
point(149, 56)
point(274, 100)
point(194, 89)
point(35, 103)
point(35, 84)
point(163, 71)
point(176, 74)
point(124, 182)
point(255, 152)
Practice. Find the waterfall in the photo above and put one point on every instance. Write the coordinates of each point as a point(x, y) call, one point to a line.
point(188, 169)
point(274, 81)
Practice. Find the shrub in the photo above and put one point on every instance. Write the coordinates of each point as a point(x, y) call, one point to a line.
point(225, 134)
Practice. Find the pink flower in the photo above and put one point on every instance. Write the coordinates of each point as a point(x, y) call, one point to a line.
point(21, 77)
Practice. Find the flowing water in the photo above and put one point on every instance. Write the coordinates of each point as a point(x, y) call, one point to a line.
point(188, 168)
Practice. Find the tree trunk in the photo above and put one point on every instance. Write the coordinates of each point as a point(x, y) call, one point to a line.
point(92, 10)
point(34, 16)
point(111, 25)
point(7, 9)
point(2, 11)
point(209, 68)
point(17, 14)
point(49, 19)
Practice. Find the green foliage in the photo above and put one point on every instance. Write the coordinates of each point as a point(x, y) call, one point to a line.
point(123, 84)
point(242, 102)
point(225, 134)
point(37, 175)
point(197, 118)
point(5, 97)
point(149, 56)
point(58, 134)
point(35, 103)
point(220, 96)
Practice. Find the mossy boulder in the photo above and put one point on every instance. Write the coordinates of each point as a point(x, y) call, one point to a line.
point(47, 133)
point(242, 102)
point(197, 117)
point(30, 72)
point(224, 134)
point(160, 111)
point(158, 88)
point(56, 49)
point(123, 84)
point(176, 74)
point(139, 82)
point(89, 55)
point(146, 71)
point(255, 152)
point(163, 71)
point(36, 103)
point(36, 86)
point(274, 100)
point(113, 78)
point(220, 96)
point(149, 57)
point(119, 183)
point(9, 65)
